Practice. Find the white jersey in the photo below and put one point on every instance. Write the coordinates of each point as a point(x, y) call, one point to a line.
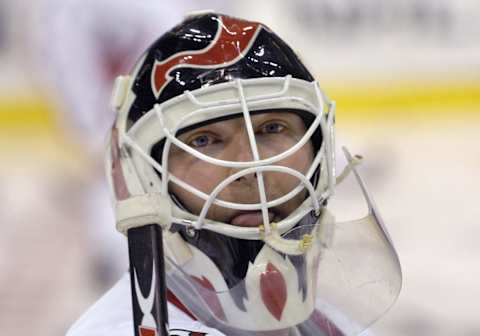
point(112, 315)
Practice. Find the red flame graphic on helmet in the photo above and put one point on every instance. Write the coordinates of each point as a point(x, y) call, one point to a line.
point(233, 38)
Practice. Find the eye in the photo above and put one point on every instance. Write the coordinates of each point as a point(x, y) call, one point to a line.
point(272, 128)
point(201, 140)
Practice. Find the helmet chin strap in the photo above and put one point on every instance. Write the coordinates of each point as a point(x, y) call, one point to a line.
point(322, 235)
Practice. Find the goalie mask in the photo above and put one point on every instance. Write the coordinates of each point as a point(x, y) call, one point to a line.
point(225, 139)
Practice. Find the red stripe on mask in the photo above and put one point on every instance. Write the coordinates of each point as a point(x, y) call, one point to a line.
point(232, 39)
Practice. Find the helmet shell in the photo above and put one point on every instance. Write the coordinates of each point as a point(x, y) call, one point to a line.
point(209, 49)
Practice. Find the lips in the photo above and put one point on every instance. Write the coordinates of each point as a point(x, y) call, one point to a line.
point(250, 219)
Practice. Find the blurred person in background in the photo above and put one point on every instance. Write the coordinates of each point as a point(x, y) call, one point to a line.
point(215, 101)
point(78, 48)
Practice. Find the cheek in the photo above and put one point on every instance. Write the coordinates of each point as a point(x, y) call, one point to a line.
point(300, 161)
point(202, 176)
point(303, 159)
point(196, 173)
point(280, 184)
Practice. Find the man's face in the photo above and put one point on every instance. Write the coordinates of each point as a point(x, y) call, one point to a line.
point(275, 132)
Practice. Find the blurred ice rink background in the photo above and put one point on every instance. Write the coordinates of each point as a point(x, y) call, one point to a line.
point(406, 78)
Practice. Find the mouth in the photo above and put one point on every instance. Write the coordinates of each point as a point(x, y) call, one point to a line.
point(251, 218)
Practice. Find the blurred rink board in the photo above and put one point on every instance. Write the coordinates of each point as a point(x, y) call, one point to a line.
point(412, 58)
point(406, 79)
point(45, 278)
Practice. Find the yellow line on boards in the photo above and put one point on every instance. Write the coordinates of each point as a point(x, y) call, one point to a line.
point(395, 100)
point(405, 100)
point(23, 111)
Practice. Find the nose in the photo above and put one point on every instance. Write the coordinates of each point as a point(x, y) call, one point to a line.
point(241, 151)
